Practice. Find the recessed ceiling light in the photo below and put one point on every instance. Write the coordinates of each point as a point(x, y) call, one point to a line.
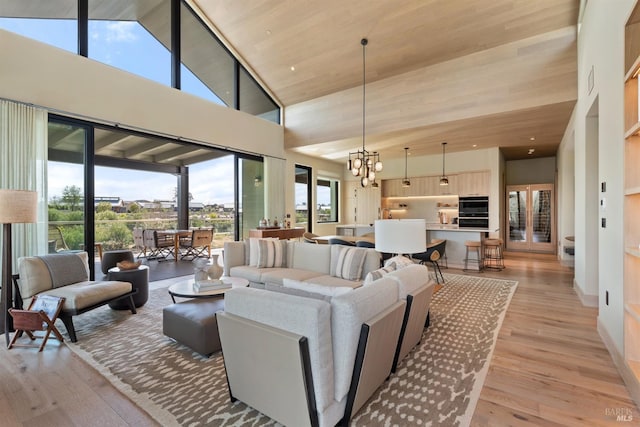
point(533, 138)
point(474, 145)
point(293, 68)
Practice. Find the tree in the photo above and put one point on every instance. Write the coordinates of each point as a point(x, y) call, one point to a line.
point(103, 207)
point(175, 195)
point(72, 196)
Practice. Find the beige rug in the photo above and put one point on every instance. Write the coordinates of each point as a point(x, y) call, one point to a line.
point(437, 384)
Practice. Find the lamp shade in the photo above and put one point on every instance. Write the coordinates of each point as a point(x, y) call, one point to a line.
point(18, 206)
point(401, 236)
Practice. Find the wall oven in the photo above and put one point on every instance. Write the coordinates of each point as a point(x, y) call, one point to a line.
point(473, 212)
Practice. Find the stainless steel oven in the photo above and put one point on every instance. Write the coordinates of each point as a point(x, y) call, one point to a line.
point(473, 212)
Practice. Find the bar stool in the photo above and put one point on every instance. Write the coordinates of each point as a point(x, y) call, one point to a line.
point(474, 245)
point(493, 257)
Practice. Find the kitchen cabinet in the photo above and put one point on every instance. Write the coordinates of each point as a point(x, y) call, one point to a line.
point(474, 183)
point(434, 188)
point(631, 284)
point(362, 205)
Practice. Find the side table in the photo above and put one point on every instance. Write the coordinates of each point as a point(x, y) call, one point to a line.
point(139, 279)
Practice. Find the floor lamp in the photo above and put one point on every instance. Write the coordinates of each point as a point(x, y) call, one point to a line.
point(16, 207)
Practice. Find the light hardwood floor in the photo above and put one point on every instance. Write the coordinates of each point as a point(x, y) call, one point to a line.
point(550, 368)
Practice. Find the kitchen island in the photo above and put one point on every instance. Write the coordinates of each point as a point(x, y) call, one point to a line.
point(455, 238)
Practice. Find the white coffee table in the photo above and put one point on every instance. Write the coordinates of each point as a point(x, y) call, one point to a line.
point(185, 288)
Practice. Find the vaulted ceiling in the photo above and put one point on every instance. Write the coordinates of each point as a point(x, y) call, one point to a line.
point(474, 73)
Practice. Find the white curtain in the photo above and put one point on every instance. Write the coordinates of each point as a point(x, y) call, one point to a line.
point(23, 166)
point(274, 188)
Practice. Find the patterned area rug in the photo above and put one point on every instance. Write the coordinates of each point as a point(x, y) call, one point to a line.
point(437, 384)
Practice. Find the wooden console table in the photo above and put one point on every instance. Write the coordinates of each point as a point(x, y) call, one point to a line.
point(280, 233)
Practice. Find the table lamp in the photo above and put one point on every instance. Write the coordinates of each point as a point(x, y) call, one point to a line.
point(401, 236)
point(16, 206)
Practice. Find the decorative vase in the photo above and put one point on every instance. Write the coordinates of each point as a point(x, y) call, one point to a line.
point(215, 270)
point(200, 270)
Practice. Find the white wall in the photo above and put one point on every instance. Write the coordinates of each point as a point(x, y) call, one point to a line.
point(566, 189)
point(40, 74)
point(601, 46)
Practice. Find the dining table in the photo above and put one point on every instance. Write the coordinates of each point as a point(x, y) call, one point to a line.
point(352, 239)
point(176, 235)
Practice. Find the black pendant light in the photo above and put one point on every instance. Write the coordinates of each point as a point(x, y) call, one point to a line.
point(405, 181)
point(364, 164)
point(443, 179)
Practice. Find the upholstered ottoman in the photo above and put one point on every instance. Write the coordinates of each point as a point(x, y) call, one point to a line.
point(193, 323)
point(111, 258)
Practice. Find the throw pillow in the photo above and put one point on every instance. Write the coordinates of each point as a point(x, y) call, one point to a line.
point(253, 249)
point(399, 262)
point(350, 262)
point(377, 274)
point(272, 253)
point(331, 291)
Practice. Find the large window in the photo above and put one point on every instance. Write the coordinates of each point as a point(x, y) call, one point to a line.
point(327, 200)
point(56, 22)
point(135, 38)
point(303, 197)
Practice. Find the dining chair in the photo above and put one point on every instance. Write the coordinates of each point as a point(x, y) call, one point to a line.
point(198, 244)
point(338, 241)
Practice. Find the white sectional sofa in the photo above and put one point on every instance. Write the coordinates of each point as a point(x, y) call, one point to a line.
point(315, 264)
point(309, 358)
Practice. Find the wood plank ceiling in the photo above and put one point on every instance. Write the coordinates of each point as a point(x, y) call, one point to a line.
point(472, 72)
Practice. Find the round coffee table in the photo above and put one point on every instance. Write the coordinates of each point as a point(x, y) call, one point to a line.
point(185, 288)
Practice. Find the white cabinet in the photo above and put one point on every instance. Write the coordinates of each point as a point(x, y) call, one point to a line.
point(362, 205)
point(474, 183)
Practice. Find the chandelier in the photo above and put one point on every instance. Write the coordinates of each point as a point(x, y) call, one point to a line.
point(364, 163)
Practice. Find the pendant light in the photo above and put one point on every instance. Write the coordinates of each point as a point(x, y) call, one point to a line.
point(443, 180)
point(365, 164)
point(405, 181)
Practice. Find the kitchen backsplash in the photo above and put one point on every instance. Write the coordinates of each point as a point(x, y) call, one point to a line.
point(428, 208)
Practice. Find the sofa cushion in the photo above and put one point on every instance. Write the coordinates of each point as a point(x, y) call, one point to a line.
point(272, 253)
point(348, 312)
point(297, 292)
point(304, 256)
point(85, 294)
point(320, 289)
point(253, 249)
point(252, 274)
point(327, 280)
point(35, 277)
point(304, 316)
point(277, 275)
point(377, 274)
point(349, 262)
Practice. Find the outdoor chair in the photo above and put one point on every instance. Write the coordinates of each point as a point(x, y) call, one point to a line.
point(197, 245)
point(138, 242)
point(159, 246)
point(56, 240)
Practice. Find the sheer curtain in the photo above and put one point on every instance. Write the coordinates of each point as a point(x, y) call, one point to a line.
point(23, 166)
point(274, 188)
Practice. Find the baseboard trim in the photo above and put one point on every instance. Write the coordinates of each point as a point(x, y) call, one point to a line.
point(629, 378)
point(585, 299)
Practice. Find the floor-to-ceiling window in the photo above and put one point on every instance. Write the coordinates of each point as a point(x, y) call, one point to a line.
point(250, 194)
point(66, 190)
point(303, 197)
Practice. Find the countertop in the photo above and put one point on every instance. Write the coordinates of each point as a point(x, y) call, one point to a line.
point(454, 227)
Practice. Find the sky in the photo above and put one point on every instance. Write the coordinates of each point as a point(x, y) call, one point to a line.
point(128, 46)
